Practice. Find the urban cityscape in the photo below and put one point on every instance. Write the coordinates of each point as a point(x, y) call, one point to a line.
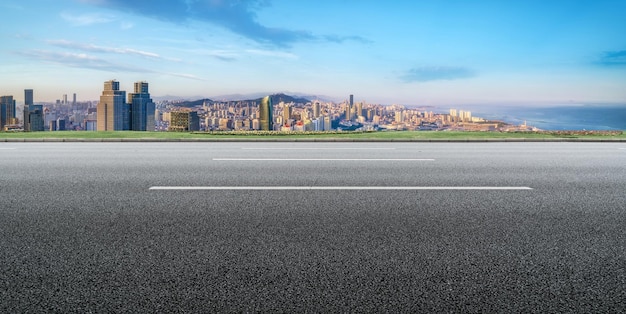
point(118, 111)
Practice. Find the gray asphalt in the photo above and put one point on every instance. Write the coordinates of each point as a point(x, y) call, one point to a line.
point(80, 231)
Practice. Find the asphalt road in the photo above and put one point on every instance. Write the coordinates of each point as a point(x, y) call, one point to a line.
point(81, 230)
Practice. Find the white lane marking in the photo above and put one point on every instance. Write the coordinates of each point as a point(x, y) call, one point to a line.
point(340, 188)
point(7, 148)
point(318, 159)
point(319, 148)
point(622, 148)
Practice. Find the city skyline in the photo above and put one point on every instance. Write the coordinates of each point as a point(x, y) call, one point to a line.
point(427, 53)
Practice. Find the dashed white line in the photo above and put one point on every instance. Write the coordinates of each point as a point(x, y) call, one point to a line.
point(320, 159)
point(319, 148)
point(7, 148)
point(383, 188)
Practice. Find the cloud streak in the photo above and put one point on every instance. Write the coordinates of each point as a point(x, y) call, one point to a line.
point(79, 60)
point(237, 16)
point(613, 58)
point(437, 73)
point(93, 48)
point(86, 19)
point(85, 61)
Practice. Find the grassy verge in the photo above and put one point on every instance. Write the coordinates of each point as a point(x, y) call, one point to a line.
point(400, 135)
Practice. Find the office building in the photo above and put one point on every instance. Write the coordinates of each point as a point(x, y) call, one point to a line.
point(142, 108)
point(317, 109)
point(28, 97)
point(266, 118)
point(60, 124)
point(113, 112)
point(7, 111)
point(34, 118)
point(182, 121)
point(286, 114)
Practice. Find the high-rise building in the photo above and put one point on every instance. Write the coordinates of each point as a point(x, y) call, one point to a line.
point(453, 114)
point(113, 112)
point(7, 111)
point(286, 114)
point(35, 119)
point(141, 108)
point(317, 109)
point(266, 118)
point(350, 110)
point(359, 109)
point(28, 97)
point(399, 116)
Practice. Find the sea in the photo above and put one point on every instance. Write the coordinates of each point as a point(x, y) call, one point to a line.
point(556, 117)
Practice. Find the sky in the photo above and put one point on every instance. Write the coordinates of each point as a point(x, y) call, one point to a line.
point(430, 52)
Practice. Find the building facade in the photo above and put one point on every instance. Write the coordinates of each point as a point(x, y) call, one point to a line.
point(142, 108)
point(266, 117)
point(34, 118)
point(183, 121)
point(28, 97)
point(7, 111)
point(113, 112)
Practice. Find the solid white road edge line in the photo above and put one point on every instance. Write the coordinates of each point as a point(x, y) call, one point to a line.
point(340, 188)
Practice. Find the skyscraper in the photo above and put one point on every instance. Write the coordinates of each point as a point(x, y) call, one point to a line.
point(266, 118)
point(316, 109)
point(286, 114)
point(28, 97)
point(350, 110)
point(113, 112)
point(7, 111)
point(141, 108)
point(28, 101)
point(33, 118)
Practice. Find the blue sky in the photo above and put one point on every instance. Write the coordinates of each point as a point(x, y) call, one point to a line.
point(442, 52)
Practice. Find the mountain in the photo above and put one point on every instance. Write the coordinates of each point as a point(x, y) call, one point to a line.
point(239, 97)
point(194, 103)
point(297, 97)
point(173, 97)
point(277, 98)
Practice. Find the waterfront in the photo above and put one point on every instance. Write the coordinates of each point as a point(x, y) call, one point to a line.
point(553, 117)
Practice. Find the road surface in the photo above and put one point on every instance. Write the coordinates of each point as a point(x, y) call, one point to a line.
point(288, 227)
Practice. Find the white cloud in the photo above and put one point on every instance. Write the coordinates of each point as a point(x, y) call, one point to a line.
point(86, 19)
point(271, 53)
point(85, 61)
point(94, 48)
